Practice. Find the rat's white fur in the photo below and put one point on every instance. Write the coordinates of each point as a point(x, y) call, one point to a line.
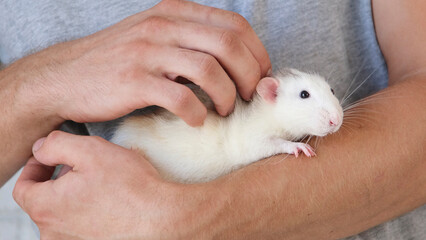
point(252, 132)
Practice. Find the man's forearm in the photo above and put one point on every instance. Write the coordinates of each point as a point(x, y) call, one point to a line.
point(369, 172)
point(23, 120)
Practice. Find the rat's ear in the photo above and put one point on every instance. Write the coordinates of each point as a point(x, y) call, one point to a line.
point(267, 89)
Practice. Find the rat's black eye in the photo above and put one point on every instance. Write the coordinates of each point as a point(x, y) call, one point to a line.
point(304, 94)
point(332, 91)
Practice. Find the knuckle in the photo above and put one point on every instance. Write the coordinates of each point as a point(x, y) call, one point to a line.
point(53, 136)
point(153, 24)
point(34, 213)
point(228, 41)
point(52, 146)
point(181, 99)
point(52, 139)
point(37, 214)
point(169, 4)
point(207, 66)
point(33, 206)
point(239, 23)
point(18, 196)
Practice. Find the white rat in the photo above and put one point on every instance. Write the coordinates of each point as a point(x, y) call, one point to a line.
point(286, 108)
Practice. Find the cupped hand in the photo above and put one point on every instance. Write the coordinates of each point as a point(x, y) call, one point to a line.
point(135, 63)
point(109, 193)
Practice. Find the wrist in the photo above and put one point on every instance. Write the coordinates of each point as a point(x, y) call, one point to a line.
point(23, 119)
point(23, 93)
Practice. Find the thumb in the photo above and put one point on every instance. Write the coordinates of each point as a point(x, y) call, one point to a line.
point(65, 148)
point(82, 153)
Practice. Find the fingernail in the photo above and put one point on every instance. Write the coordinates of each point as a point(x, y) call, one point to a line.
point(37, 145)
point(269, 72)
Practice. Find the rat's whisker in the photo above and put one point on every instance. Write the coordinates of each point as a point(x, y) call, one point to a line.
point(309, 139)
point(331, 73)
point(368, 77)
point(353, 81)
point(316, 143)
point(370, 99)
point(367, 100)
point(361, 119)
point(347, 128)
point(360, 109)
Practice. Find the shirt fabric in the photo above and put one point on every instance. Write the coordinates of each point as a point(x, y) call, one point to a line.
point(333, 38)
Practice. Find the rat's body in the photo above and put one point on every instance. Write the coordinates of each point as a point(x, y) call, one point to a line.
point(264, 127)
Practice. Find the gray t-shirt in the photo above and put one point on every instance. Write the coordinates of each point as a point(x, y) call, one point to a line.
point(334, 38)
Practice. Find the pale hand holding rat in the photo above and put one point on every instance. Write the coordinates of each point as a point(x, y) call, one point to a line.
point(111, 192)
point(130, 65)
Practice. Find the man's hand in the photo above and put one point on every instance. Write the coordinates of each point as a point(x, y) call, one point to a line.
point(110, 193)
point(131, 65)
point(134, 63)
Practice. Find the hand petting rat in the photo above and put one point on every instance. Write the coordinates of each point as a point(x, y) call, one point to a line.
point(286, 108)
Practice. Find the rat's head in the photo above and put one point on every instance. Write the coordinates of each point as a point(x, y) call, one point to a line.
point(304, 103)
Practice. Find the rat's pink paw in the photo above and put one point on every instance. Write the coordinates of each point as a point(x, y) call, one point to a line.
point(305, 148)
point(284, 146)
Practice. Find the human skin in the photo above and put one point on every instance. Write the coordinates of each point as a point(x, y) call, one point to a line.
point(370, 172)
point(130, 65)
point(336, 194)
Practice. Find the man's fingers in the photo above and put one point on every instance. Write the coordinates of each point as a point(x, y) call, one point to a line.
point(203, 70)
point(80, 153)
point(175, 97)
point(32, 175)
point(34, 190)
point(227, 48)
point(36, 171)
point(194, 12)
point(224, 47)
point(68, 149)
point(86, 155)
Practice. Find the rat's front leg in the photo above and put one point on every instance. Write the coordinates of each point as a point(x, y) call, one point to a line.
point(272, 146)
point(284, 146)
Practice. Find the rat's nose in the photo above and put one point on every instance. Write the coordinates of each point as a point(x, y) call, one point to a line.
point(334, 120)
